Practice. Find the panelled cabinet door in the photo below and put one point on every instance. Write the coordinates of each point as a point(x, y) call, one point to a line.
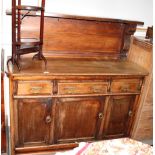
point(119, 115)
point(78, 118)
point(33, 118)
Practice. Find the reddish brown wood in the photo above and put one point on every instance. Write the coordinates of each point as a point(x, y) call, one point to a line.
point(33, 122)
point(82, 88)
point(73, 119)
point(49, 148)
point(34, 88)
point(78, 115)
point(65, 36)
point(3, 130)
point(149, 33)
point(66, 68)
point(118, 116)
point(126, 85)
point(78, 99)
point(18, 46)
point(3, 125)
point(141, 53)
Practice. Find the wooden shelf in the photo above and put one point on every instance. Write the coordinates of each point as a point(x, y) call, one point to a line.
point(30, 8)
point(28, 42)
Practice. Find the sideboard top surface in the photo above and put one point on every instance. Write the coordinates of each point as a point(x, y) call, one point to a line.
point(70, 67)
point(80, 17)
point(102, 19)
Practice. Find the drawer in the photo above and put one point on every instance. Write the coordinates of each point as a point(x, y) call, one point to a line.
point(126, 85)
point(82, 88)
point(34, 88)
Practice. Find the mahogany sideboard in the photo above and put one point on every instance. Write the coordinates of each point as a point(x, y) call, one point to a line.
point(88, 92)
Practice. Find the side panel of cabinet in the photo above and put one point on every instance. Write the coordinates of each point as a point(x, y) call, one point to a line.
point(119, 116)
point(3, 130)
point(78, 119)
point(32, 121)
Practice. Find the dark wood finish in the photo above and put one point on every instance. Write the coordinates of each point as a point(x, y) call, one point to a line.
point(87, 18)
point(33, 119)
point(149, 34)
point(118, 116)
point(86, 97)
point(34, 88)
point(82, 88)
point(3, 126)
point(44, 149)
point(68, 68)
point(141, 53)
point(82, 37)
point(73, 121)
point(20, 45)
point(78, 99)
point(126, 85)
point(31, 8)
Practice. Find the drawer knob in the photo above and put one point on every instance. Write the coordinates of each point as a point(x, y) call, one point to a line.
point(100, 115)
point(48, 119)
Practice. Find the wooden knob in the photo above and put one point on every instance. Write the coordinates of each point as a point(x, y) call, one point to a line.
point(100, 115)
point(130, 113)
point(48, 119)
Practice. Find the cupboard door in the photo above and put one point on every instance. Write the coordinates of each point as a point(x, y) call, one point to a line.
point(78, 119)
point(33, 119)
point(119, 114)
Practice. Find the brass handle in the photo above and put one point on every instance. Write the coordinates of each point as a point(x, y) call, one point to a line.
point(36, 89)
point(48, 119)
point(96, 90)
point(125, 88)
point(100, 115)
point(70, 90)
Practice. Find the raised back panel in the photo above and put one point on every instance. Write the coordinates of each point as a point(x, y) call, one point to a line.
point(81, 37)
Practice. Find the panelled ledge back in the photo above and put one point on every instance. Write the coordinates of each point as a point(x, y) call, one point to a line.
point(88, 92)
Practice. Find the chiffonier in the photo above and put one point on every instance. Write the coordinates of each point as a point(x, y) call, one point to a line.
point(88, 91)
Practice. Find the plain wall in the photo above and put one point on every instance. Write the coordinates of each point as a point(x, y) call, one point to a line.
point(141, 10)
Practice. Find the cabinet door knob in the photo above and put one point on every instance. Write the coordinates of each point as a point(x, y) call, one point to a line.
point(48, 119)
point(130, 113)
point(100, 115)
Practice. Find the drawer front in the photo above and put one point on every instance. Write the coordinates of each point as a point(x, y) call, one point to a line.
point(34, 88)
point(126, 85)
point(82, 88)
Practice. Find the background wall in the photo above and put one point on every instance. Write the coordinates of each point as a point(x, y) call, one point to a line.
point(125, 9)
